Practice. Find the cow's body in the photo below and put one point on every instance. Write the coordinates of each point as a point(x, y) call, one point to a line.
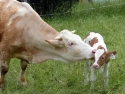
point(102, 57)
point(24, 35)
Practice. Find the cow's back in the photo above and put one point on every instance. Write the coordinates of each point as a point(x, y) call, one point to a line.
point(8, 19)
point(19, 17)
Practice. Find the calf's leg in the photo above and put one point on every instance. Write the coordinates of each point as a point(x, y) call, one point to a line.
point(105, 75)
point(86, 69)
point(92, 77)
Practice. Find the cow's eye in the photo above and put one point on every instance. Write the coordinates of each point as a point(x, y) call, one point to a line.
point(71, 44)
point(60, 39)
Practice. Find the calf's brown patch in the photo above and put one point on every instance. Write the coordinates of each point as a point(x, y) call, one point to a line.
point(93, 41)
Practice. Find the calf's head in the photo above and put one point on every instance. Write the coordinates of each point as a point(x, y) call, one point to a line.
point(77, 50)
point(102, 57)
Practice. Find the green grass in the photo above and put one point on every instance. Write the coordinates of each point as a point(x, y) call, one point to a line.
point(54, 77)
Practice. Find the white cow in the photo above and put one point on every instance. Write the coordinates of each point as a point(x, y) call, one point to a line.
point(102, 57)
point(24, 35)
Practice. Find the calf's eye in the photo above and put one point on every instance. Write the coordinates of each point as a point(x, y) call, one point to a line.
point(102, 58)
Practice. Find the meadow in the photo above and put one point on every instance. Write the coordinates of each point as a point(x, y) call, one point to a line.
point(54, 77)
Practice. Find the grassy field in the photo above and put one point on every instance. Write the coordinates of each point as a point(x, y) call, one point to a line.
point(54, 77)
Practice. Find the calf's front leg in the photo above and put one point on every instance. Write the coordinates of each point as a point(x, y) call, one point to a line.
point(86, 69)
point(105, 75)
point(92, 77)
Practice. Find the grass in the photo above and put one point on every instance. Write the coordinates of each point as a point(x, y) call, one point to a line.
point(54, 77)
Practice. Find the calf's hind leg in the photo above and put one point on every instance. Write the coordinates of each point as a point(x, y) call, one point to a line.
point(23, 65)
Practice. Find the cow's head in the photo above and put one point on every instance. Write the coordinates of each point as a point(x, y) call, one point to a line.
point(76, 49)
point(102, 57)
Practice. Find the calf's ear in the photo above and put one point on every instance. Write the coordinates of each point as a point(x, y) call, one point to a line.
point(112, 55)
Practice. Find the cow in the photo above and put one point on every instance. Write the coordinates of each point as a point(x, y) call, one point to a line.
point(24, 35)
point(100, 61)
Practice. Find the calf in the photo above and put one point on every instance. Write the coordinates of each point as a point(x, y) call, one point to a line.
point(102, 57)
point(24, 35)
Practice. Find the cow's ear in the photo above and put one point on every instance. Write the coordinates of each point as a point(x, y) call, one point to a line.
point(58, 38)
point(55, 42)
point(73, 31)
point(52, 42)
point(112, 55)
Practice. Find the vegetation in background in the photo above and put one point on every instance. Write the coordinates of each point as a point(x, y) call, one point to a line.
point(106, 9)
point(44, 7)
point(54, 77)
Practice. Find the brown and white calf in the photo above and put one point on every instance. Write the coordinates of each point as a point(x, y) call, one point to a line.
point(101, 59)
point(24, 35)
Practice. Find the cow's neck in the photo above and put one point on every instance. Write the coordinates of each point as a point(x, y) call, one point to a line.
point(36, 48)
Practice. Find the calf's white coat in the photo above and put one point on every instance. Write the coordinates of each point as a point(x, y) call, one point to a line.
point(100, 61)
